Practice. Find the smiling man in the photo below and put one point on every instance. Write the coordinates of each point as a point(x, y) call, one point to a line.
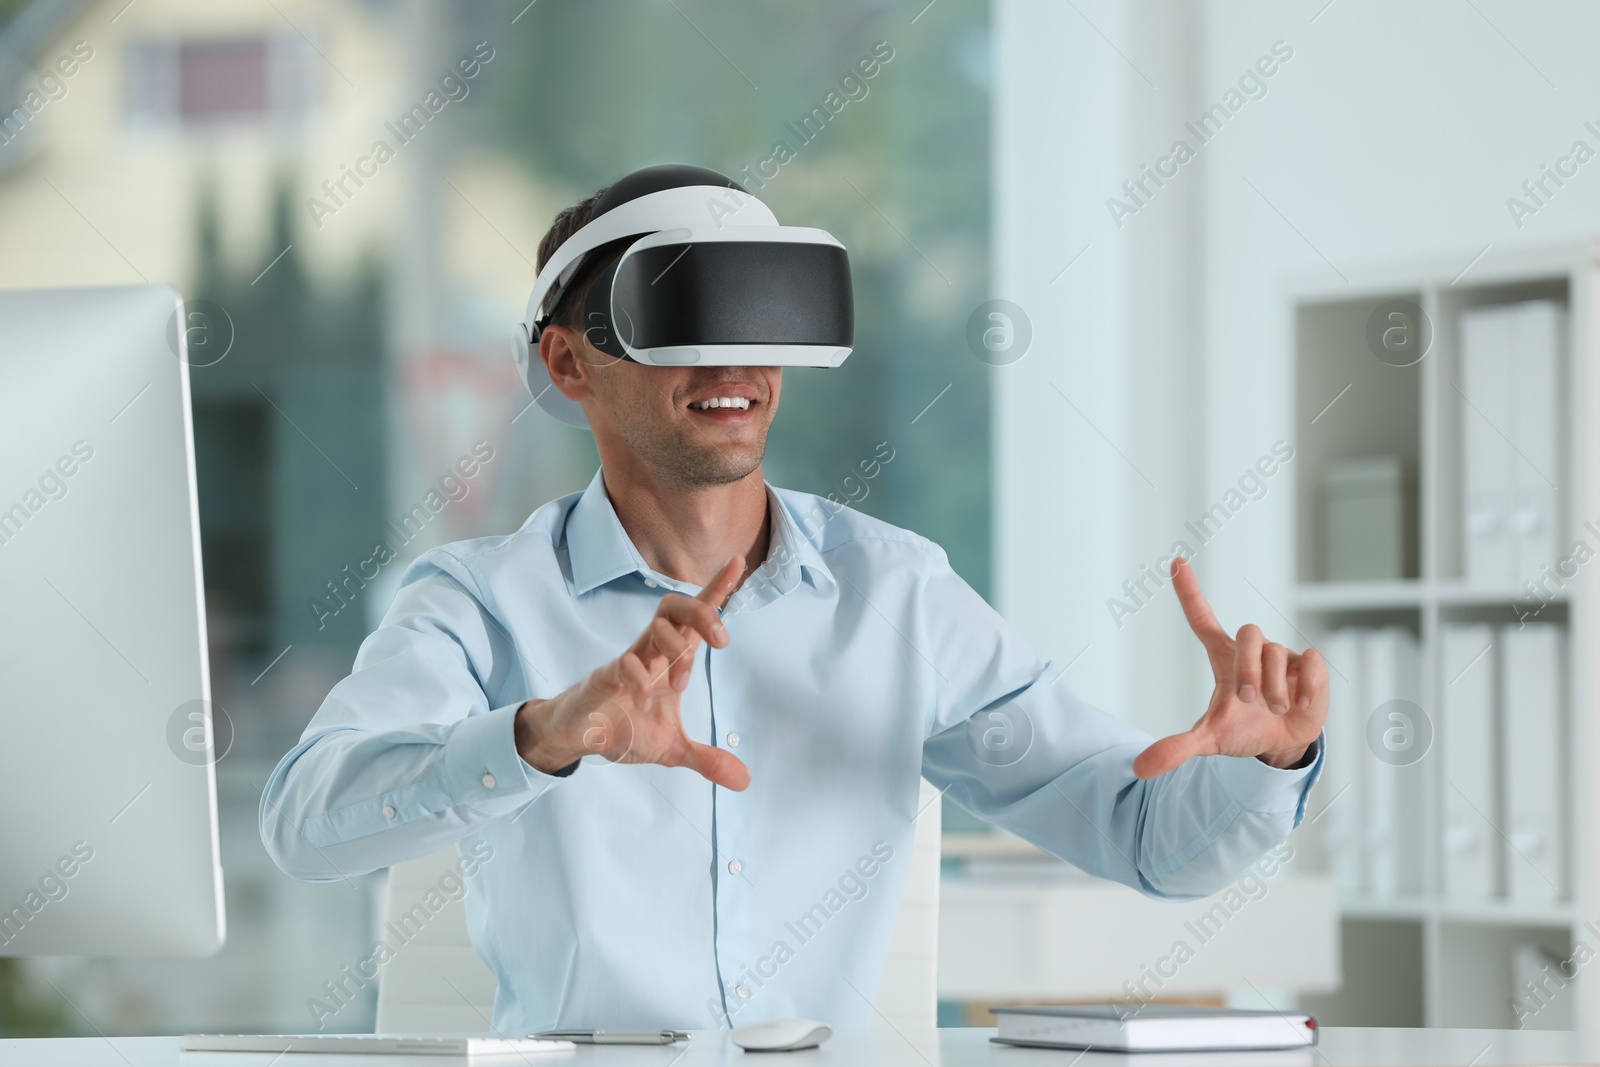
point(758, 692)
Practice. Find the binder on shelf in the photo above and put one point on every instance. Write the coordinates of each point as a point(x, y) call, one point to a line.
point(1487, 457)
point(1471, 845)
point(1533, 752)
point(1510, 419)
point(1339, 811)
point(1391, 663)
point(1539, 333)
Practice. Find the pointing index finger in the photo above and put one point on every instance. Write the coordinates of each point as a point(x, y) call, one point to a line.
point(699, 613)
point(719, 589)
point(1202, 620)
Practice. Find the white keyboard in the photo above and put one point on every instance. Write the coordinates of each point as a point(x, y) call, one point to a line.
point(378, 1044)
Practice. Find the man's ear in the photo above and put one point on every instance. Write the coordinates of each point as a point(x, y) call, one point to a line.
point(568, 364)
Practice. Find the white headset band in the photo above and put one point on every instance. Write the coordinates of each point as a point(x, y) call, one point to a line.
point(684, 206)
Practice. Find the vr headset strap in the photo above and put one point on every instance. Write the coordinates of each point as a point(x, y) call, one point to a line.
point(665, 209)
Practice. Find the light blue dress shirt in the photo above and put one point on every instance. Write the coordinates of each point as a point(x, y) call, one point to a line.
point(642, 896)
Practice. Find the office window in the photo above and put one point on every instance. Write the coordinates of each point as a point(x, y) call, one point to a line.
point(334, 412)
point(217, 82)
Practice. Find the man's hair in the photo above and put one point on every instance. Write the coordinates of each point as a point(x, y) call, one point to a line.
point(568, 310)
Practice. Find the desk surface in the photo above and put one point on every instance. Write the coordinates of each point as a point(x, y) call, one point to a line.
point(965, 1047)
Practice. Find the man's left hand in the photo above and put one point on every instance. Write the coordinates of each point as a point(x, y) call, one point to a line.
point(1269, 702)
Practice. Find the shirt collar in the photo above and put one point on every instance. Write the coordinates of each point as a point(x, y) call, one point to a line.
point(600, 551)
point(598, 548)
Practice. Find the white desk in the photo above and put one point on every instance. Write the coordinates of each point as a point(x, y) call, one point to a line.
point(942, 1048)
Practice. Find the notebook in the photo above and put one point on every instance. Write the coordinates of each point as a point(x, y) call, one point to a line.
point(1152, 1028)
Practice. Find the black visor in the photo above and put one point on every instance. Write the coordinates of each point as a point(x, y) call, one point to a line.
point(729, 293)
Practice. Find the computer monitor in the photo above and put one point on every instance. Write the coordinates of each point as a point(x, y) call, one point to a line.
point(108, 807)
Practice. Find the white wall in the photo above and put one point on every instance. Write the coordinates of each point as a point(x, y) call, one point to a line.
point(1096, 443)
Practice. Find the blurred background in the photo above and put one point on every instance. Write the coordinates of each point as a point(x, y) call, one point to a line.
point(1299, 290)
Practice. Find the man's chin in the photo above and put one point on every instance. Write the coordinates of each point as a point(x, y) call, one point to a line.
point(727, 473)
point(714, 466)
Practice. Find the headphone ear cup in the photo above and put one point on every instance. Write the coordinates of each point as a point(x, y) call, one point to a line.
point(598, 328)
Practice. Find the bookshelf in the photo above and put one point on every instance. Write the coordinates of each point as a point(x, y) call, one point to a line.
point(1429, 957)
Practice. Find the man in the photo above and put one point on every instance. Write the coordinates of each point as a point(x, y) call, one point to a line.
point(734, 847)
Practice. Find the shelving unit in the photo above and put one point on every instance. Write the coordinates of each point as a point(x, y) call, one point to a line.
point(1429, 958)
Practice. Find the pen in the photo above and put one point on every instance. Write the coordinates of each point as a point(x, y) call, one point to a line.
point(618, 1037)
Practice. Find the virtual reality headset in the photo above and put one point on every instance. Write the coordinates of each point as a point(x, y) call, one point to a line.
point(710, 280)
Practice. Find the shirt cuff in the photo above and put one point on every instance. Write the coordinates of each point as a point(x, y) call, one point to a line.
point(483, 769)
point(1259, 787)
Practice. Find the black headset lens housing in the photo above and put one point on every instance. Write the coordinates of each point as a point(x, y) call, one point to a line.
point(722, 293)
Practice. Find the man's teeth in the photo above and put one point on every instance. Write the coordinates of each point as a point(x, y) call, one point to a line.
point(740, 402)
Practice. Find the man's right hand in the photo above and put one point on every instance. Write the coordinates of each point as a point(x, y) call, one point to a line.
point(627, 710)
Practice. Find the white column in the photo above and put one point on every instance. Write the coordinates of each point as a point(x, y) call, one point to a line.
point(1094, 433)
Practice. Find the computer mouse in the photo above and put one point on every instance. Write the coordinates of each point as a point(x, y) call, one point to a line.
point(781, 1035)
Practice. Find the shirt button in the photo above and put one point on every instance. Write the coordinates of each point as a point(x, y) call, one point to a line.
point(488, 780)
point(741, 991)
point(651, 582)
point(734, 866)
point(733, 739)
point(388, 811)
